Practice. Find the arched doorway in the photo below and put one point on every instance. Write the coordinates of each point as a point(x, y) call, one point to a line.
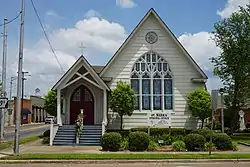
point(82, 98)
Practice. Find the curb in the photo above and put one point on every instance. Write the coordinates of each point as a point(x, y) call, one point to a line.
point(123, 161)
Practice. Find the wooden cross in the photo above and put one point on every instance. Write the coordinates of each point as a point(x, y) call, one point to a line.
point(82, 47)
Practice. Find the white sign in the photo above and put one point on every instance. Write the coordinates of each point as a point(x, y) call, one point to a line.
point(3, 102)
point(160, 119)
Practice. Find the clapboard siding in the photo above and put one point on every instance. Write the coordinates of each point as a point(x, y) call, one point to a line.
point(181, 67)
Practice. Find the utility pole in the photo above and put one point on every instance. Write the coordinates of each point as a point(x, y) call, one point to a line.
point(19, 82)
point(11, 82)
point(2, 112)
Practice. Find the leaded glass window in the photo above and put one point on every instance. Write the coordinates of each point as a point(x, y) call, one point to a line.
point(151, 80)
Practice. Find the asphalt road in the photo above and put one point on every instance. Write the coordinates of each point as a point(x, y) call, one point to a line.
point(134, 165)
point(25, 131)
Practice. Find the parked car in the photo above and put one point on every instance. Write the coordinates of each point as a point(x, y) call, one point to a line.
point(49, 118)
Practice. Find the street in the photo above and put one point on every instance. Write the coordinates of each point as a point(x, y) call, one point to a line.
point(134, 165)
point(25, 131)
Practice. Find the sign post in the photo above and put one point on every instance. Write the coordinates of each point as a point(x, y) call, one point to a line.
point(214, 106)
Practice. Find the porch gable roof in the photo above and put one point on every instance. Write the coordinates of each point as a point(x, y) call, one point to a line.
point(89, 68)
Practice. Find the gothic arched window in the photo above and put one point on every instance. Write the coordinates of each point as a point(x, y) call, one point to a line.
point(151, 80)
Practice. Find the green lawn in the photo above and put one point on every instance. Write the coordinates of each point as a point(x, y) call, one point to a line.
point(4, 145)
point(244, 139)
point(125, 156)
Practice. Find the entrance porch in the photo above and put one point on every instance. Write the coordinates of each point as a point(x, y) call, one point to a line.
point(81, 88)
point(82, 96)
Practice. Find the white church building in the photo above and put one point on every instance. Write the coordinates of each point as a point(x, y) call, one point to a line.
point(153, 61)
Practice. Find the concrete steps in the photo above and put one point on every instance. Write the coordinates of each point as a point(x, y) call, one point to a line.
point(65, 136)
point(91, 135)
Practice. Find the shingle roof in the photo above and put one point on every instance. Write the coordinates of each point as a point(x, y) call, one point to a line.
point(98, 69)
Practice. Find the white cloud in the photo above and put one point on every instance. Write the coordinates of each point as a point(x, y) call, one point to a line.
point(100, 36)
point(201, 47)
point(92, 13)
point(126, 3)
point(52, 13)
point(232, 6)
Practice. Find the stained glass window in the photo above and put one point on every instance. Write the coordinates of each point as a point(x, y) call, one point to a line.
point(146, 102)
point(151, 80)
point(136, 102)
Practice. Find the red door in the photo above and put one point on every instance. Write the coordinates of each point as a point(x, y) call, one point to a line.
point(82, 98)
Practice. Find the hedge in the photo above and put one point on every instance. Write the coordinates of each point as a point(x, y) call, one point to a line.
point(138, 141)
point(111, 141)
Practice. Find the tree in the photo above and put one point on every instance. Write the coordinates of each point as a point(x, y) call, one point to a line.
point(232, 36)
point(50, 104)
point(122, 100)
point(199, 104)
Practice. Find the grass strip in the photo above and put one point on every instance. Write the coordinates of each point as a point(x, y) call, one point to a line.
point(8, 144)
point(243, 139)
point(123, 156)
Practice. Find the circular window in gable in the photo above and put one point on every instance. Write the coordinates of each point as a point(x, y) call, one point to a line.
point(151, 37)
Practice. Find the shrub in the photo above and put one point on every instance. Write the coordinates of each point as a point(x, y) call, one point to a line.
point(235, 147)
point(124, 143)
point(209, 145)
point(177, 138)
point(179, 146)
point(152, 145)
point(216, 125)
point(194, 142)
point(166, 139)
point(222, 141)
point(138, 141)
point(162, 131)
point(124, 133)
point(46, 133)
point(111, 141)
point(46, 140)
point(204, 132)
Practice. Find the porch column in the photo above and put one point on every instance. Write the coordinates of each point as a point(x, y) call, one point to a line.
point(34, 111)
point(41, 114)
point(59, 122)
point(104, 122)
point(64, 109)
point(44, 114)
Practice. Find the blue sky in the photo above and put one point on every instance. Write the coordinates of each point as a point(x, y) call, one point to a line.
point(181, 16)
point(70, 22)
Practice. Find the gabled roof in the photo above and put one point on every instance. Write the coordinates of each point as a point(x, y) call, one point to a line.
point(153, 12)
point(86, 64)
point(98, 69)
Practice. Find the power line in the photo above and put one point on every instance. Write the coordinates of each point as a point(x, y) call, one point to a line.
point(53, 51)
point(11, 20)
